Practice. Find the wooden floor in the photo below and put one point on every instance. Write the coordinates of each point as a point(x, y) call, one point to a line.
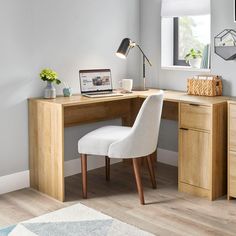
point(167, 212)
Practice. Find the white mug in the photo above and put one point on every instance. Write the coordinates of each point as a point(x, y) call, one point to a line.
point(127, 85)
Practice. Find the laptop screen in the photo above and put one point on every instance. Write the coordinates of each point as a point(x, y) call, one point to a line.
point(95, 80)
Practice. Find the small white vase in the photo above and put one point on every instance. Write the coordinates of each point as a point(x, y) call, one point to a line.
point(49, 91)
point(195, 63)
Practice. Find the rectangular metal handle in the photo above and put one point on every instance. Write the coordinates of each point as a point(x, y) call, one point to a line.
point(184, 129)
point(192, 104)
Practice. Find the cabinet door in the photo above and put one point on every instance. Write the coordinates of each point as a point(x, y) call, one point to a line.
point(232, 174)
point(232, 127)
point(194, 158)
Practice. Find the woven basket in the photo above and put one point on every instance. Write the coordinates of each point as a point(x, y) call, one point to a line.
point(207, 85)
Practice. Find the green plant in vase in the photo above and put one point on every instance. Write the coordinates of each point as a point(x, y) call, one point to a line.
point(51, 77)
point(194, 57)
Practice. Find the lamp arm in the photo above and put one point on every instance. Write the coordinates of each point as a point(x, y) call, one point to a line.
point(144, 55)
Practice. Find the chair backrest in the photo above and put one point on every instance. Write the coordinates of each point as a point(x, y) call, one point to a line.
point(142, 140)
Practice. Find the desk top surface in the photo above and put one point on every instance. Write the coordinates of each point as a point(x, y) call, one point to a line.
point(172, 96)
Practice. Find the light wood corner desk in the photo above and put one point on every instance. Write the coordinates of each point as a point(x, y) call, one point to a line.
point(202, 137)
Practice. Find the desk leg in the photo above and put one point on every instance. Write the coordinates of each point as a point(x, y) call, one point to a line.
point(46, 148)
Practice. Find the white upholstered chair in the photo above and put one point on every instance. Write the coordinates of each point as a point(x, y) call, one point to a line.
point(126, 142)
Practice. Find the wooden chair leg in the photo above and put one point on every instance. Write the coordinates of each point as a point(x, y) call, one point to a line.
point(84, 174)
point(151, 171)
point(107, 159)
point(138, 179)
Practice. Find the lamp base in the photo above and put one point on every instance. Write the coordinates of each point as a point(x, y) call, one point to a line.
point(140, 89)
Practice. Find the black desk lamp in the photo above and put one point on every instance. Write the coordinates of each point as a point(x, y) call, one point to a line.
point(123, 52)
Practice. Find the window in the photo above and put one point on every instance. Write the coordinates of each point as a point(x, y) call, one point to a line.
point(185, 25)
point(190, 32)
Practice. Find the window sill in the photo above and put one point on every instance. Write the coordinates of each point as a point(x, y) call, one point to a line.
point(185, 68)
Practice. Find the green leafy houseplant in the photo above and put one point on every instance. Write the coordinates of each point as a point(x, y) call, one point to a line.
point(49, 75)
point(193, 54)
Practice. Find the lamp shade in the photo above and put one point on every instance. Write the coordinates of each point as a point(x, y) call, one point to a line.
point(124, 48)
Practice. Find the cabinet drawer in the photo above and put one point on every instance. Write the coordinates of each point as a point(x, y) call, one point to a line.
point(195, 116)
point(232, 127)
point(232, 174)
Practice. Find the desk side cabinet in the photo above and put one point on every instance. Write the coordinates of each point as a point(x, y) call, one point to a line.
point(231, 149)
point(202, 149)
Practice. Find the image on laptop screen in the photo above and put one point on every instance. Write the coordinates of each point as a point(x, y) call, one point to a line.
point(95, 80)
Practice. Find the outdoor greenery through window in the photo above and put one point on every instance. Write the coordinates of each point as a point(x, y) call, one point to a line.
point(191, 32)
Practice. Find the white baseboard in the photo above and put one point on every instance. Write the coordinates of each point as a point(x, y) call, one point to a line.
point(9, 183)
point(167, 157)
point(20, 180)
point(73, 167)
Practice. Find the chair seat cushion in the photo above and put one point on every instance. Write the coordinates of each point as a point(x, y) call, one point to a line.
point(98, 141)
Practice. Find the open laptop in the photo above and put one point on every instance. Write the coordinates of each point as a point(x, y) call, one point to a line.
point(96, 83)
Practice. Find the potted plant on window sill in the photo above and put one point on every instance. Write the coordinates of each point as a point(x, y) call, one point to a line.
point(51, 77)
point(194, 57)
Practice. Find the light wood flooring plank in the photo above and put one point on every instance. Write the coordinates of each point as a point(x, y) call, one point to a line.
point(167, 211)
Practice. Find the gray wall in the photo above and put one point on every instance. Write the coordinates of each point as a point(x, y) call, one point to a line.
point(64, 35)
point(77, 34)
point(222, 18)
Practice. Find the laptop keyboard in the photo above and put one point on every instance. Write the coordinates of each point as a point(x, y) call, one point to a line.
point(98, 93)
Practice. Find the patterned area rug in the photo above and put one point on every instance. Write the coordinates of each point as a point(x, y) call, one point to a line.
point(74, 220)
